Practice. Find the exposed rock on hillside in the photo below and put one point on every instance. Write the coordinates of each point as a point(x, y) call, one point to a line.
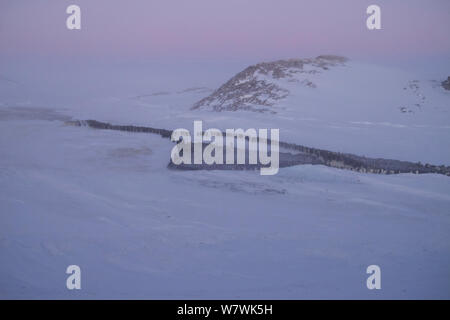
point(259, 87)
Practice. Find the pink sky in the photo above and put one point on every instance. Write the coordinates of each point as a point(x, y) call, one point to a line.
point(247, 29)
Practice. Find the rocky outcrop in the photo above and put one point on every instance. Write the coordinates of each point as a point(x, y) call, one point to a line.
point(107, 126)
point(258, 87)
point(299, 155)
point(446, 84)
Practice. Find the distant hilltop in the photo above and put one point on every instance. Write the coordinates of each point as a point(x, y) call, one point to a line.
point(260, 86)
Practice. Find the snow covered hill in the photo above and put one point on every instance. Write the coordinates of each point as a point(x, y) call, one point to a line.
point(338, 104)
point(260, 87)
point(330, 86)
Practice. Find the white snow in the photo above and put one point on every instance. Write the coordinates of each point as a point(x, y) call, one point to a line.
point(104, 200)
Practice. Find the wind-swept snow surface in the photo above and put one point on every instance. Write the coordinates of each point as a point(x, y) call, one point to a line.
point(106, 201)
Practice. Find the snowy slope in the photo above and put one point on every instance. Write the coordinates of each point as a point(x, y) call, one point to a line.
point(105, 200)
